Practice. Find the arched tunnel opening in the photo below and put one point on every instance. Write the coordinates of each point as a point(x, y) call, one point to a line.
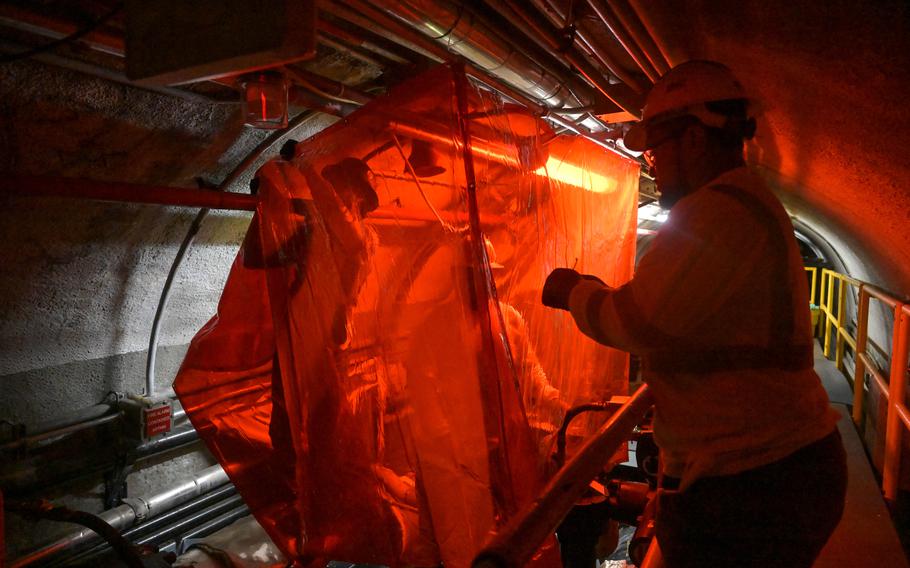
point(271, 273)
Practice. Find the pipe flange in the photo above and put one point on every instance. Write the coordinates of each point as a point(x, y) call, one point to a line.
point(139, 506)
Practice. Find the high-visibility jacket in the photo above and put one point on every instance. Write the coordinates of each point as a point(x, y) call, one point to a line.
point(718, 310)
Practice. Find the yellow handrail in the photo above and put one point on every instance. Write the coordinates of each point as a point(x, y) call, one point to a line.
point(813, 273)
point(897, 405)
point(834, 315)
point(893, 387)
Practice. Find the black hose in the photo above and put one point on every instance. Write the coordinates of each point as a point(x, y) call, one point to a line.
point(124, 549)
point(199, 510)
point(560, 455)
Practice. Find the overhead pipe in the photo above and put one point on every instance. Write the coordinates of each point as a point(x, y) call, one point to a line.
point(378, 22)
point(462, 32)
point(580, 130)
point(402, 35)
point(350, 51)
point(633, 24)
point(666, 52)
point(611, 20)
point(327, 27)
point(514, 545)
point(382, 21)
point(325, 87)
point(588, 43)
point(134, 511)
point(553, 38)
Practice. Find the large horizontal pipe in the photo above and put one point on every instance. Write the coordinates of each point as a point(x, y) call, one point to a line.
point(173, 196)
point(609, 18)
point(633, 24)
point(551, 35)
point(133, 510)
point(87, 450)
point(226, 494)
point(379, 22)
point(125, 192)
point(514, 545)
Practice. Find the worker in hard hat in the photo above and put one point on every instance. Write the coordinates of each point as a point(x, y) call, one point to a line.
point(718, 312)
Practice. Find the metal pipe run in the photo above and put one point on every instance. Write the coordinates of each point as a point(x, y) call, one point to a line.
point(546, 31)
point(581, 131)
point(633, 24)
point(201, 509)
point(588, 43)
point(170, 441)
point(379, 22)
point(514, 545)
point(461, 32)
point(201, 523)
point(124, 192)
point(70, 419)
point(611, 20)
point(50, 436)
point(134, 511)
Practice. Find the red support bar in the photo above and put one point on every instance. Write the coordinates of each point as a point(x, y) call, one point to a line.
point(125, 192)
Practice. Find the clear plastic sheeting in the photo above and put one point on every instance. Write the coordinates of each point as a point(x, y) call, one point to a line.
point(381, 382)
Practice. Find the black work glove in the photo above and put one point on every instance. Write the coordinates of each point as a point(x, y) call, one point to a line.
point(557, 288)
point(559, 285)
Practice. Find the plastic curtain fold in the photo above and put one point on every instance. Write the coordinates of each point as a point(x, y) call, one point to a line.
point(380, 381)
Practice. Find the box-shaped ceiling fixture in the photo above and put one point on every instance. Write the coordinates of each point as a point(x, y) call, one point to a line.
point(171, 42)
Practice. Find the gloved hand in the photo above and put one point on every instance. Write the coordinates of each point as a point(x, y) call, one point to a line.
point(558, 286)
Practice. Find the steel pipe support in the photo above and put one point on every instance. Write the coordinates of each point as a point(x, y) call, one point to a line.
point(514, 545)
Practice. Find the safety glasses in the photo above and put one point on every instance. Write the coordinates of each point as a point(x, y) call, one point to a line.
point(663, 132)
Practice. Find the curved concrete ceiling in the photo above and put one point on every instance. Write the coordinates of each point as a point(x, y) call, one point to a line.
point(833, 79)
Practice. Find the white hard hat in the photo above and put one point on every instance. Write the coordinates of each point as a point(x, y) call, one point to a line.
point(683, 91)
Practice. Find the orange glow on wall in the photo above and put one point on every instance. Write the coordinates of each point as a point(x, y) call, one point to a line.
point(397, 386)
point(569, 173)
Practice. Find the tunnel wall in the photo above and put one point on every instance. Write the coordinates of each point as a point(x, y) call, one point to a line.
point(831, 79)
point(80, 280)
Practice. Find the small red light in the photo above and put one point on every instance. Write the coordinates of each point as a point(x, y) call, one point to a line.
point(265, 100)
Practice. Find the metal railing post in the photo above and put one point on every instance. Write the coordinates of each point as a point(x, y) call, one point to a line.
point(841, 324)
point(896, 385)
point(859, 372)
point(813, 273)
point(829, 313)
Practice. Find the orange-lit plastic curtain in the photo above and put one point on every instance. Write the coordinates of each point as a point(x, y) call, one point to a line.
point(380, 381)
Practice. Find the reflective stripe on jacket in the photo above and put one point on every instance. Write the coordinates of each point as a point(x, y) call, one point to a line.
point(718, 310)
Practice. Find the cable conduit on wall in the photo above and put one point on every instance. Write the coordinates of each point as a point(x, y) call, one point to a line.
point(225, 185)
